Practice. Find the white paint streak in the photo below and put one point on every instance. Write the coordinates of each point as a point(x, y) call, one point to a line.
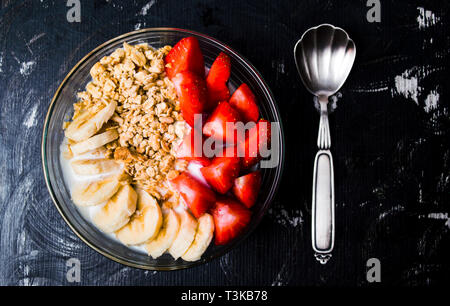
point(35, 37)
point(279, 66)
point(115, 5)
point(426, 18)
point(224, 263)
point(372, 89)
point(26, 272)
point(407, 85)
point(363, 204)
point(145, 8)
point(279, 281)
point(44, 5)
point(282, 217)
point(21, 242)
point(12, 234)
point(3, 190)
point(137, 26)
point(27, 67)
point(391, 211)
point(432, 100)
point(30, 120)
point(1, 62)
point(440, 216)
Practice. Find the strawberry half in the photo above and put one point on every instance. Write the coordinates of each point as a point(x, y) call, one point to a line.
point(217, 79)
point(221, 173)
point(216, 125)
point(185, 56)
point(197, 196)
point(244, 101)
point(230, 218)
point(191, 148)
point(258, 138)
point(191, 90)
point(246, 188)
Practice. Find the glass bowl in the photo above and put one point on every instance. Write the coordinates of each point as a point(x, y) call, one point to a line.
point(61, 108)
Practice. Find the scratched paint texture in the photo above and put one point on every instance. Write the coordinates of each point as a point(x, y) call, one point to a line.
point(390, 134)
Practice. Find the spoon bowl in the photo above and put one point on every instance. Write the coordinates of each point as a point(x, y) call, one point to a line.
point(324, 56)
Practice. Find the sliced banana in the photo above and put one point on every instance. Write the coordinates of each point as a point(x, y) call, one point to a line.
point(96, 192)
point(185, 236)
point(143, 226)
point(202, 238)
point(145, 199)
point(94, 166)
point(99, 152)
point(117, 212)
point(87, 124)
point(94, 142)
point(166, 236)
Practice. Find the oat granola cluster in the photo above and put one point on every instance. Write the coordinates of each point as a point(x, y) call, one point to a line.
point(147, 116)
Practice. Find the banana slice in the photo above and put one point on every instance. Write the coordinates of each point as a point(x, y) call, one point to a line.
point(94, 166)
point(143, 226)
point(96, 192)
point(202, 238)
point(145, 199)
point(99, 152)
point(117, 212)
point(185, 235)
point(86, 125)
point(94, 142)
point(166, 236)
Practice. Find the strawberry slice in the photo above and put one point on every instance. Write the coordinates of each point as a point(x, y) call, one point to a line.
point(191, 90)
point(258, 138)
point(191, 150)
point(244, 101)
point(185, 56)
point(197, 196)
point(216, 125)
point(246, 188)
point(217, 79)
point(221, 173)
point(230, 218)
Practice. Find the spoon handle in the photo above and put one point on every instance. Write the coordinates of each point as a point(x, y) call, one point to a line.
point(323, 138)
point(323, 193)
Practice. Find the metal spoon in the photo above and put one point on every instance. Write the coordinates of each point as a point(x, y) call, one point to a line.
point(324, 57)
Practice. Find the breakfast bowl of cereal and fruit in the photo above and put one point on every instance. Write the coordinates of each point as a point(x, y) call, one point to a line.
point(163, 149)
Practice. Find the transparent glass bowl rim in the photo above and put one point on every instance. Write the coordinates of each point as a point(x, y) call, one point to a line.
point(267, 201)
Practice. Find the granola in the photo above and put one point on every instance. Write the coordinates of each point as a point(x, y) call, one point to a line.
point(147, 116)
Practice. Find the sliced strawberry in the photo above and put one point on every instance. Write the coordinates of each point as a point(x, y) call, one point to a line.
point(221, 173)
point(191, 90)
point(191, 148)
point(217, 79)
point(258, 138)
point(230, 218)
point(216, 125)
point(244, 101)
point(185, 56)
point(246, 188)
point(197, 196)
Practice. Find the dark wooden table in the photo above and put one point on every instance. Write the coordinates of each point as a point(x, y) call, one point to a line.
point(390, 134)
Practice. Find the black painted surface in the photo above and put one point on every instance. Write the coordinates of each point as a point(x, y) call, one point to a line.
point(390, 140)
